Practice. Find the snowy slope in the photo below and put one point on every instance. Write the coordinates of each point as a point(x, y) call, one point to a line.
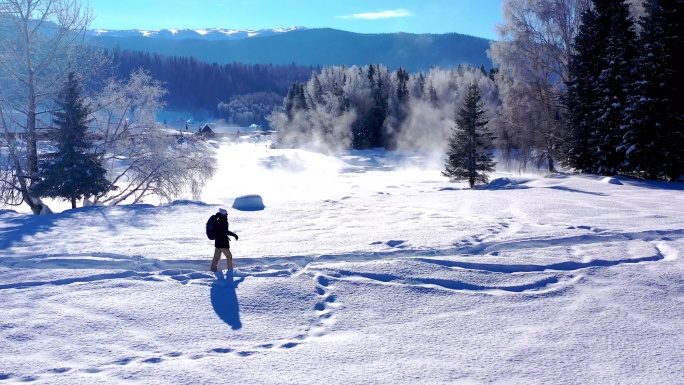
point(364, 268)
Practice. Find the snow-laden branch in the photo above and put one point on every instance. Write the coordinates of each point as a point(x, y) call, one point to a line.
point(142, 159)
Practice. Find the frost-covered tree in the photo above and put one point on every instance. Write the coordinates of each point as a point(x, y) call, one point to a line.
point(654, 124)
point(470, 154)
point(39, 41)
point(293, 123)
point(359, 107)
point(397, 107)
point(247, 109)
point(374, 124)
point(143, 160)
point(532, 57)
point(73, 171)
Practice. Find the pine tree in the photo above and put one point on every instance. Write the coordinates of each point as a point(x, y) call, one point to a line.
point(581, 99)
point(470, 147)
point(368, 130)
point(654, 122)
point(432, 96)
point(317, 89)
point(378, 111)
point(420, 85)
point(73, 171)
point(600, 79)
point(398, 112)
point(402, 87)
point(295, 100)
point(614, 83)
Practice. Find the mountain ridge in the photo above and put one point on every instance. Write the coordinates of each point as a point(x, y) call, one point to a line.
point(319, 47)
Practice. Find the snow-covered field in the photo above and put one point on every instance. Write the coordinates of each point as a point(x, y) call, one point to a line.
point(366, 268)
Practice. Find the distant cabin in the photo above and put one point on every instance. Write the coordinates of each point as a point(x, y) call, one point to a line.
point(213, 130)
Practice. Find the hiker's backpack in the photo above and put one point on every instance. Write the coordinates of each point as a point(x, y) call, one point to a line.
point(211, 227)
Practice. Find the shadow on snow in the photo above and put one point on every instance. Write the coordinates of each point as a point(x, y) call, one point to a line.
point(17, 226)
point(224, 299)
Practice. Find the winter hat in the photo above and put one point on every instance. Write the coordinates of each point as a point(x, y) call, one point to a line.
point(223, 211)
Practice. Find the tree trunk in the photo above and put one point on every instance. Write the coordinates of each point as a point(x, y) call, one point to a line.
point(73, 202)
point(32, 156)
point(552, 165)
point(32, 140)
point(36, 208)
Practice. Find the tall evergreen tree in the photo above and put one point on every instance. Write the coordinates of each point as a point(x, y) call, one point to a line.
point(402, 88)
point(581, 100)
point(420, 85)
point(317, 89)
point(398, 112)
point(73, 171)
point(295, 100)
point(432, 95)
point(601, 74)
point(470, 148)
point(378, 111)
point(368, 129)
point(654, 136)
point(614, 84)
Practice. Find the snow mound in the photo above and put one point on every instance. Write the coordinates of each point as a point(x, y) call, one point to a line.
point(249, 203)
point(611, 180)
point(502, 184)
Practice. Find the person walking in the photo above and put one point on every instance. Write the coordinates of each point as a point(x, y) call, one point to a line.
point(222, 242)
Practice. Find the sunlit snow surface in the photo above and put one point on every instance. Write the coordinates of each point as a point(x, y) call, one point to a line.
point(362, 268)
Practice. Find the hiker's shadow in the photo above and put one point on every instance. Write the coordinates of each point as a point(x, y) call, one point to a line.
point(224, 299)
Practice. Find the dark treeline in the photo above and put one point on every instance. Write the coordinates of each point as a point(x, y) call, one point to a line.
point(625, 104)
point(241, 94)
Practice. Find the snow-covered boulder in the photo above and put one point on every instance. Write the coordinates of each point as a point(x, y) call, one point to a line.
point(249, 203)
point(610, 180)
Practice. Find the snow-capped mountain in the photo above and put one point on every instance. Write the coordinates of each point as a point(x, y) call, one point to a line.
point(205, 34)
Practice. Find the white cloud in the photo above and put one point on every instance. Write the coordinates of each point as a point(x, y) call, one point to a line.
point(379, 15)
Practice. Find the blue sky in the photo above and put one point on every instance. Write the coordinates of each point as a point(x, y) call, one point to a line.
point(472, 17)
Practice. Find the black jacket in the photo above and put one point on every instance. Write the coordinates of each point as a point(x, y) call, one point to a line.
point(222, 232)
